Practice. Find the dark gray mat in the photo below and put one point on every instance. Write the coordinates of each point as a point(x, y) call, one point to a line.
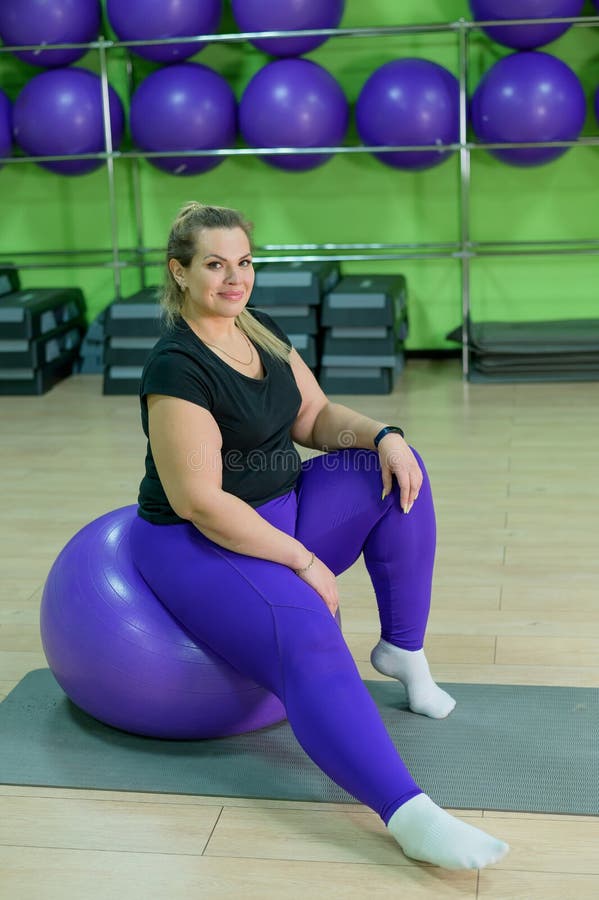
point(505, 747)
point(552, 375)
point(562, 336)
point(502, 362)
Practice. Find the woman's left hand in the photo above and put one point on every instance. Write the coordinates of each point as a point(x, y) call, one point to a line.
point(397, 459)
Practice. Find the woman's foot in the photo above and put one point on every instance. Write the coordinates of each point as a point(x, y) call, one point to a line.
point(426, 832)
point(411, 668)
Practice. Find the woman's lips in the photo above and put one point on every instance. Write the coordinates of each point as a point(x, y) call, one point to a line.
point(232, 295)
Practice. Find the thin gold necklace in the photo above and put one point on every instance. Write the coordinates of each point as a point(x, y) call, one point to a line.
point(216, 347)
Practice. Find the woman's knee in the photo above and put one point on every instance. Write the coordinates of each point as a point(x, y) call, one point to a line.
point(419, 459)
point(425, 488)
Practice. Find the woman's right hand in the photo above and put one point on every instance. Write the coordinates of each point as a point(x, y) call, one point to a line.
point(320, 577)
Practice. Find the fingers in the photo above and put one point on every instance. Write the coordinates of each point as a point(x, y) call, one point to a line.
point(410, 482)
point(333, 604)
point(405, 491)
point(331, 599)
point(387, 484)
point(331, 596)
point(415, 485)
point(323, 580)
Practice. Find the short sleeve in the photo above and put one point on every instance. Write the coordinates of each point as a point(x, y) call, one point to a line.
point(270, 323)
point(175, 374)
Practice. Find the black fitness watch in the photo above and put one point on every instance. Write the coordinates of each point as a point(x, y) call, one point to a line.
point(388, 429)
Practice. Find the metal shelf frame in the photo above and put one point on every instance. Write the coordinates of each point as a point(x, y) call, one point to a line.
point(463, 251)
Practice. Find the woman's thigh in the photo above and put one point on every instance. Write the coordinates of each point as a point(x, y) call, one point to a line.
point(237, 605)
point(339, 503)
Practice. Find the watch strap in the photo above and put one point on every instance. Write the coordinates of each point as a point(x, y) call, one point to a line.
point(388, 429)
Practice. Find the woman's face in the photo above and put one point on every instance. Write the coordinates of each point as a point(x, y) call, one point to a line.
point(220, 277)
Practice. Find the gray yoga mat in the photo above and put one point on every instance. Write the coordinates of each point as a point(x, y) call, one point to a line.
point(505, 747)
point(531, 377)
point(564, 350)
point(529, 338)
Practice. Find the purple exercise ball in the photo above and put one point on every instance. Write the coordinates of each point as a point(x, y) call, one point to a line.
point(410, 102)
point(287, 15)
point(528, 97)
point(59, 113)
point(49, 22)
point(5, 125)
point(137, 20)
point(293, 103)
point(184, 107)
point(120, 655)
point(525, 37)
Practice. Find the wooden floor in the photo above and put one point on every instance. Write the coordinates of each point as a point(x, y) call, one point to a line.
point(516, 600)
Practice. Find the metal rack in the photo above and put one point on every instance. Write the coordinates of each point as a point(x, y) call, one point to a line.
point(464, 251)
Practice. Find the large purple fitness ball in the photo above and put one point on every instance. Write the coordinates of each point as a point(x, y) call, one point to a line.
point(138, 20)
point(525, 37)
point(184, 107)
point(410, 102)
point(528, 97)
point(59, 113)
point(293, 103)
point(121, 656)
point(287, 15)
point(49, 22)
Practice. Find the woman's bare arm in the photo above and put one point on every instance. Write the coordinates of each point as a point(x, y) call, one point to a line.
point(186, 445)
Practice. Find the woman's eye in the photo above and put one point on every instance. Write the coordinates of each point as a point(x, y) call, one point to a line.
point(213, 265)
point(246, 263)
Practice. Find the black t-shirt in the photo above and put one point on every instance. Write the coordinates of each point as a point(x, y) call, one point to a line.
point(254, 415)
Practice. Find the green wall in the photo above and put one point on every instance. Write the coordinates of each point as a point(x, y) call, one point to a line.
point(352, 198)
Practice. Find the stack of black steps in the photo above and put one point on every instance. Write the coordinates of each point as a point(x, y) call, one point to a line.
point(291, 293)
point(132, 325)
point(91, 352)
point(365, 323)
point(40, 335)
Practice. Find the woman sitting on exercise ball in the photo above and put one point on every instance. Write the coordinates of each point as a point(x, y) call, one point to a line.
point(242, 542)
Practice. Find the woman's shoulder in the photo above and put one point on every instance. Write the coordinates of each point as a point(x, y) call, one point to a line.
point(175, 352)
point(174, 342)
point(175, 368)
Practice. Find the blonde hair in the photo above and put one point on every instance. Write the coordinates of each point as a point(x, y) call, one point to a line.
point(182, 246)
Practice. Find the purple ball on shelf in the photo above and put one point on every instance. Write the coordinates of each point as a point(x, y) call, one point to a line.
point(137, 20)
point(287, 15)
point(49, 22)
point(410, 102)
point(184, 107)
point(5, 125)
point(528, 97)
point(525, 37)
point(293, 103)
point(60, 113)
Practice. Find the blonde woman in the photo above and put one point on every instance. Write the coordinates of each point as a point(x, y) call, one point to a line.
point(242, 542)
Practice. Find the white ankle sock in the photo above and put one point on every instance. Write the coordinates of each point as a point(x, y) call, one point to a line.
point(426, 832)
point(411, 668)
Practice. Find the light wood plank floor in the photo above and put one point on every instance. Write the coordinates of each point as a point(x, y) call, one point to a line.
point(516, 600)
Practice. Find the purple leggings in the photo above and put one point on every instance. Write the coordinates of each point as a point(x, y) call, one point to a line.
point(275, 628)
